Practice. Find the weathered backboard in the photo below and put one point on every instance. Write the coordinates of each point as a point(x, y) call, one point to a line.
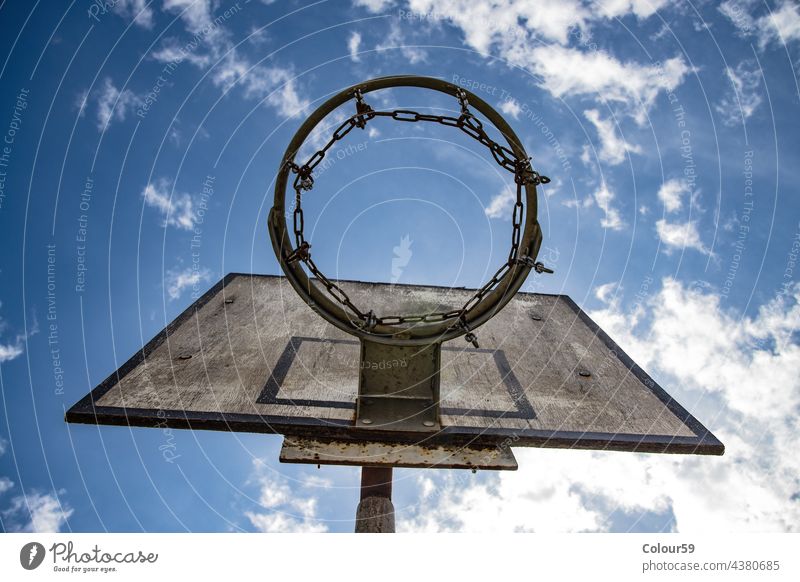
point(251, 356)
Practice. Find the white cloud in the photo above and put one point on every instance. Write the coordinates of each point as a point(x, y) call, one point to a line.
point(586, 154)
point(5, 484)
point(587, 202)
point(568, 72)
point(136, 9)
point(508, 24)
point(280, 523)
point(3, 446)
point(740, 371)
point(175, 135)
point(744, 95)
point(618, 8)
point(284, 96)
point(353, 44)
point(274, 85)
point(113, 104)
point(196, 14)
point(10, 351)
point(534, 35)
point(374, 6)
point(172, 52)
point(256, 35)
point(312, 481)
point(198, 20)
point(288, 511)
point(604, 197)
point(612, 148)
point(13, 349)
point(607, 292)
point(501, 204)
point(750, 362)
point(511, 107)
point(671, 194)
point(178, 281)
point(176, 209)
point(780, 26)
point(738, 12)
point(37, 513)
point(553, 188)
point(395, 41)
point(680, 235)
point(81, 101)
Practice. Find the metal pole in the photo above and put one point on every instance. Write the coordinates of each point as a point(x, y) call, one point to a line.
point(375, 513)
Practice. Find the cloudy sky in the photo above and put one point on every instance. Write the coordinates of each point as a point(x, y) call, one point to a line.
point(669, 130)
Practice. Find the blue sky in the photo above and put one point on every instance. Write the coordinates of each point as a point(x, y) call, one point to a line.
point(141, 140)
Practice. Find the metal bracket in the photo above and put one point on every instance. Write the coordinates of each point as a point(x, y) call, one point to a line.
point(301, 253)
point(462, 101)
point(362, 109)
point(536, 266)
point(398, 387)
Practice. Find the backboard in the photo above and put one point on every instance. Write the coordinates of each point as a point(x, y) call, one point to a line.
point(250, 355)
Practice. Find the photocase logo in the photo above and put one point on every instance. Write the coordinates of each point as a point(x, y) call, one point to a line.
point(31, 555)
point(402, 255)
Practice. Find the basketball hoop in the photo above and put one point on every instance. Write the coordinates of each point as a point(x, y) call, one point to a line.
point(419, 329)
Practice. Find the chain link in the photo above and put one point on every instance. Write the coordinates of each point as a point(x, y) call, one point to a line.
point(470, 125)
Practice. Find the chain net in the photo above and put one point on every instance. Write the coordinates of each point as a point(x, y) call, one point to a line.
point(472, 126)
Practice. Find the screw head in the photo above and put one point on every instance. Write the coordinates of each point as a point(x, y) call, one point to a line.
point(536, 317)
point(366, 421)
point(428, 423)
point(584, 373)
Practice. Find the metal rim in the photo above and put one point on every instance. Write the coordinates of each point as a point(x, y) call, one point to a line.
point(334, 313)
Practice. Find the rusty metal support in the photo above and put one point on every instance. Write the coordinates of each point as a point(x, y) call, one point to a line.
point(378, 452)
point(375, 513)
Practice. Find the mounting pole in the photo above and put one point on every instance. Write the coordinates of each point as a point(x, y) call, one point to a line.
point(375, 513)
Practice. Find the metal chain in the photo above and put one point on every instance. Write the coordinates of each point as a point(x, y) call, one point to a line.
point(472, 126)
